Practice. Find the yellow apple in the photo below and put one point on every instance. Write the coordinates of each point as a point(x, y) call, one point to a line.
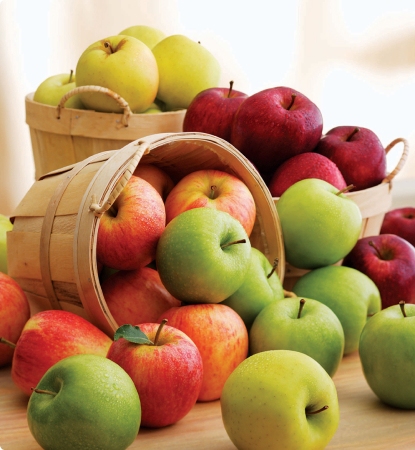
point(149, 35)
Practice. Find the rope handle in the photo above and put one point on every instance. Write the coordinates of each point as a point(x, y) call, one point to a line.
point(81, 89)
point(401, 161)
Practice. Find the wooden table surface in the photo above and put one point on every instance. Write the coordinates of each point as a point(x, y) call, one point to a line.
point(365, 423)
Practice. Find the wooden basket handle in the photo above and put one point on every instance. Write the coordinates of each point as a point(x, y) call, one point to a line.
point(401, 161)
point(80, 89)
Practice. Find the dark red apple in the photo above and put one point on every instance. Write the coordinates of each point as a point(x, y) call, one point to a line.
point(400, 221)
point(357, 152)
point(212, 111)
point(274, 125)
point(389, 261)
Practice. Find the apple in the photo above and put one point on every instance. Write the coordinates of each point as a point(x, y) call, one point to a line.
point(389, 261)
point(154, 108)
point(129, 231)
point(275, 124)
point(400, 221)
point(49, 336)
point(280, 399)
point(185, 68)
point(301, 324)
point(136, 296)
point(165, 366)
point(357, 152)
point(84, 401)
point(5, 226)
point(351, 295)
point(157, 177)
point(320, 224)
point(213, 189)
point(260, 287)
point(14, 313)
point(203, 255)
point(302, 166)
point(213, 110)
point(122, 64)
point(386, 349)
point(221, 337)
point(149, 35)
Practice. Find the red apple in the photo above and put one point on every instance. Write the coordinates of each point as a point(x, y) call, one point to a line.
point(129, 231)
point(389, 261)
point(49, 336)
point(221, 337)
point(157, 177)
point(136, 296)
point(305, 165)
point(213, 189)
point(357, 152)
point(212, 111)
point(14, 313)
point(400, 221)
point(166, 368)
point(275, 124)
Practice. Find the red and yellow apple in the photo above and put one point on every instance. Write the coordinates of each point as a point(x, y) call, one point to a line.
point(157, 177)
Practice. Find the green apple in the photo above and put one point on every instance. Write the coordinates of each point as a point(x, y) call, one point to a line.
point(122, 64)
point(320, 225)
point(386, 350)
point(203, 255)
point(85, 401)
point(186, 68)
point(301, 324)
point(154, 108)
point(51, 90)
point(280, 399)
point(149, 35)
point(5, 226)
point(352, 296)
point(260, 287)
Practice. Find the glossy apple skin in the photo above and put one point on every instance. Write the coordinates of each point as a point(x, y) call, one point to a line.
point(129, 231)
point(157, 177)
point(51, 91)
point(49, 336)
point(14, 313)
point(221, 337)
point(400, 221)
point(167, 376)
point(360, 156)
point(268, 128)
point(213, 189)
point(391, 266)
point(212, 111)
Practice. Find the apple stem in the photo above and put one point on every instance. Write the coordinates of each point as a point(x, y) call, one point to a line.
point(43, 391)
point(239, 241)
point(300, 309)
point(353, 133)
point(274, 267)
point(308, 413)
point(372, 244)
point(108, 45)
point(346, 189)
point(293, 96)
point(163, 322)
point(212, 192)
point(70, 76)
point(9, 343)
point(230, 88)
point(402, 305)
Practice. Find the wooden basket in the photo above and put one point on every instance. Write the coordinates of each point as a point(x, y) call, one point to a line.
point(52, 247)
point(63, 136)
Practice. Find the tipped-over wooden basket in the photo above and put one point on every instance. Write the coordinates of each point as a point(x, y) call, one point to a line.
point(52, 247)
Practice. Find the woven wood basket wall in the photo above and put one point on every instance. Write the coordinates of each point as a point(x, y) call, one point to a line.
point(52, 247)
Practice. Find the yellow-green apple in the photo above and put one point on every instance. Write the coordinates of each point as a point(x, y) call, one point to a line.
point(157, 177)
point(49, 336)
point(301, 324)
point(136, 296)
point(389, 261)
point(260, 287)
point(302, 166)
point(357, 152)
point(165, 366)
point(149, 35)
point(275, 124)
point(203, 255)
point(400, 221)
point(51, 90)
point(319, 223)
point(221, 337)
point(351, 294)
point(129, 231)
point(154, 108)
point(5, 226)
point(84, 401)
point(212, 111)
point(280, 399)
point(185, 68)
point(386, 349)
point(122, 64)
point(213, 189)
point(14, 313)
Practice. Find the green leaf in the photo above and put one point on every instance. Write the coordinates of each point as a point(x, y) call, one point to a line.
point(132, 334)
